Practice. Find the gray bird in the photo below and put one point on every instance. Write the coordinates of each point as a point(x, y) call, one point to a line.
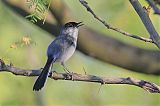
point(60, 50)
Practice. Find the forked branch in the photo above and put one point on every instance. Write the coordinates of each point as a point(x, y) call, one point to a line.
point(154, 37)
point(146, 21)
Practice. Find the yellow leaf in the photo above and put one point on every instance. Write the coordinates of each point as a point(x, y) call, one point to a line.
point(26, 40)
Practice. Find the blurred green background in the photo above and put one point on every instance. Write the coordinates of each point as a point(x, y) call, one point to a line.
point(17, 90)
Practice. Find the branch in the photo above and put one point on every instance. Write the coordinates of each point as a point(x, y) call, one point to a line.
point(153, 5)
point(146, 21)
point(85, 4)
point(150, 87)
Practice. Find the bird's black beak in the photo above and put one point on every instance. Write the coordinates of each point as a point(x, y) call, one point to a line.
point(79, 24)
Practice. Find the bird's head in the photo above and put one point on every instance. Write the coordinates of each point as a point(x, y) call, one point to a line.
point(71, 28)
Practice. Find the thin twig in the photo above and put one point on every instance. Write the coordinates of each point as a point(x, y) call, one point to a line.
point(150, 87)
point(85, 4)
point(153, 5)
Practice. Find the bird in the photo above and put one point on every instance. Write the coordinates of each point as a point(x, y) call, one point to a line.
point(60, 50)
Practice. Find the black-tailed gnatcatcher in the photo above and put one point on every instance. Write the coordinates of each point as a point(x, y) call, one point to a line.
point(60, 50)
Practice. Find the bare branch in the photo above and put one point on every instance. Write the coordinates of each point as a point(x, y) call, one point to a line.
point(85, 4)
point(153, 5)
point(146, 21)
point(150, 87)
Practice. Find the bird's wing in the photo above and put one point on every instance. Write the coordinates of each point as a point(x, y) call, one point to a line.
point(55, 49)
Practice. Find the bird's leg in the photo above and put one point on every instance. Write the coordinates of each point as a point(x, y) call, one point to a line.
point(65, 68)
point(51, 67)
point(67, 71)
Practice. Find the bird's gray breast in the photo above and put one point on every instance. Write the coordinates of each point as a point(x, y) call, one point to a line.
point(69, 46)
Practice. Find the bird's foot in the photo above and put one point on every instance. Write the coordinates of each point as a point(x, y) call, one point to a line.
point(69, 74)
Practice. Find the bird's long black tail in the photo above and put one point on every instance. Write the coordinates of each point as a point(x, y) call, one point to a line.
point(39, 84)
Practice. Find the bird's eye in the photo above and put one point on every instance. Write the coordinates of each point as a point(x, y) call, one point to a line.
point(70, 25)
